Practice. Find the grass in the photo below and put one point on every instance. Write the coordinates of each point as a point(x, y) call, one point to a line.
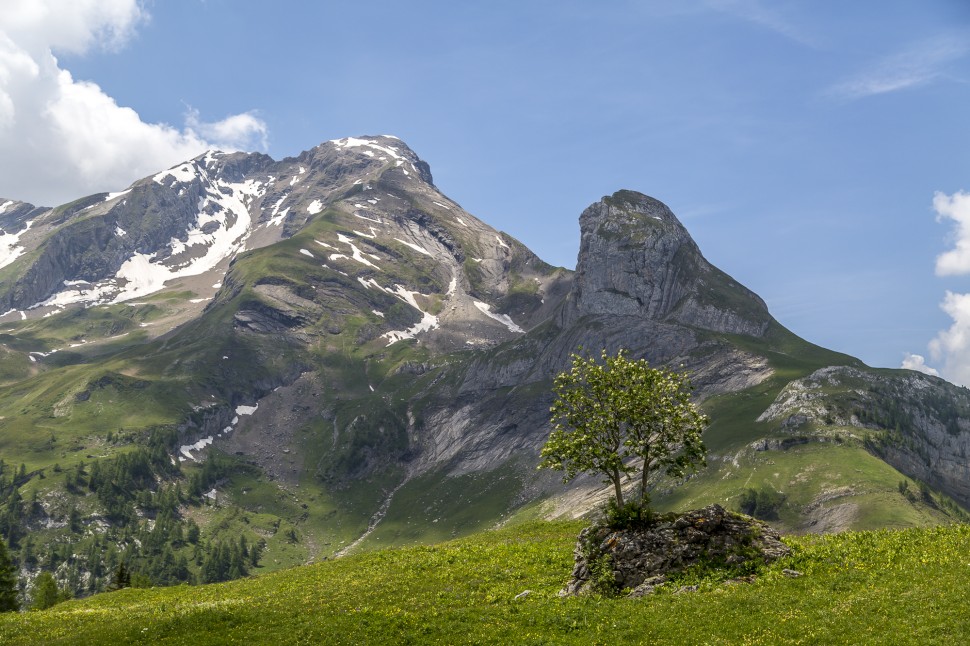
point(826, 473)
point(884, 586)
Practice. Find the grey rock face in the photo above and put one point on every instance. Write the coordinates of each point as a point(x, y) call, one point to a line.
point(637, 259)
point(924, 421)
point(641, 558)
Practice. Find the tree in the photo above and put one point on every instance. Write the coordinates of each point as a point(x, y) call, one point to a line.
point(8, 581)
point(46, 592)
point(620, 416)
point(121, 579)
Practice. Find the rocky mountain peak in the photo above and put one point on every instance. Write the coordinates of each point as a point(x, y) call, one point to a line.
point(360, 155)
point(637, 259)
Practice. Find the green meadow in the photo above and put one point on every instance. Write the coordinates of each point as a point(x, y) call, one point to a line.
point(882, 586)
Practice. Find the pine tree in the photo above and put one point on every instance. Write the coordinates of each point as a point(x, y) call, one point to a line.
point(46, 593)
point(8, 581)
point(122, 578)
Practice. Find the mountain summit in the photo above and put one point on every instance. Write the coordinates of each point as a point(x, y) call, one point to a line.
point(328, 347)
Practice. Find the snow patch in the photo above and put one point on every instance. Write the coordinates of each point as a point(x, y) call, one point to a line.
point(9, 249)
point(315, 207)
point(444, 206)
point(186, 449)
point(501, 242)
point(277, 218)
point(357, 254)
point(306, 253)
point(226, 204)
point(354, 142)
point(325, 245)
point(120, 232)
point(112, 196)
point(3, 207)
point(246, 410)
point(428, 321)
point(504, 319)
point(183, 173)
point(415, 247)
point(362, 217)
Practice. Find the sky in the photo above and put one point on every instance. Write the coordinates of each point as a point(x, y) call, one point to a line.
point(817, 150)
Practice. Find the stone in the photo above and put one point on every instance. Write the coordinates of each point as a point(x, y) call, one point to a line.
point(642, 559)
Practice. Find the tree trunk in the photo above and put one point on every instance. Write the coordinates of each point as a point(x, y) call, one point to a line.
point(644, 472)
point(618, 490)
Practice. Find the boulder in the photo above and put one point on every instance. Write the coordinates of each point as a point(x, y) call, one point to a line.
point(642, 558)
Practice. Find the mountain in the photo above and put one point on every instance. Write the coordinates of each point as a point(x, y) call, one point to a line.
point(326, 351)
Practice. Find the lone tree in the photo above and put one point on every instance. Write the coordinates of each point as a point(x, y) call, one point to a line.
point(620, 416)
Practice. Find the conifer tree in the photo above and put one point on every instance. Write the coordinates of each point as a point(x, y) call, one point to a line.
point(8, 581)
point(46, 592)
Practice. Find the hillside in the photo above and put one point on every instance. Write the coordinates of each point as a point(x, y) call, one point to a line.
point(501, 587)
point(241, 364)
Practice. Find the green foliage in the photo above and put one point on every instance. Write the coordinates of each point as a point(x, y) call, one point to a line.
point(8, 581)
point(620, 416)
point(632, 515)
point(763, 503)
point(121, 579)
point(46, 594)
point(601, 577)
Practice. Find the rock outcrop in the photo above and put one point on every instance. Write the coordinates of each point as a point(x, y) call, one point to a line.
point(637, 259)
point(633, 559)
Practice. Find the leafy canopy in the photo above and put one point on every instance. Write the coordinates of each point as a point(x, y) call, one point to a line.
point(621, 416)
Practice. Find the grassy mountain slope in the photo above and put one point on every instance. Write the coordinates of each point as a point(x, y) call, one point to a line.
point(868, 587)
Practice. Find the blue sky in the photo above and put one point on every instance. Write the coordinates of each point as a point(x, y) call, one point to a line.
point(801, 143)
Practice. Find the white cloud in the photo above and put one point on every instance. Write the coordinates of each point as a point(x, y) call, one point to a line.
point(236, 132)
point(917, 362)
point(917, 65)
point(956, 207)
point(952, 346)
point(764, 15)
point(70, 25)
point(64, 138)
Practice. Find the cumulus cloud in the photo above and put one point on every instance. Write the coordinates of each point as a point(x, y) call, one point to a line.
point(235, 132)
point(917, 362)
point(917, 65)
point(952, 346)
point(64, 138)
point(956, 207)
